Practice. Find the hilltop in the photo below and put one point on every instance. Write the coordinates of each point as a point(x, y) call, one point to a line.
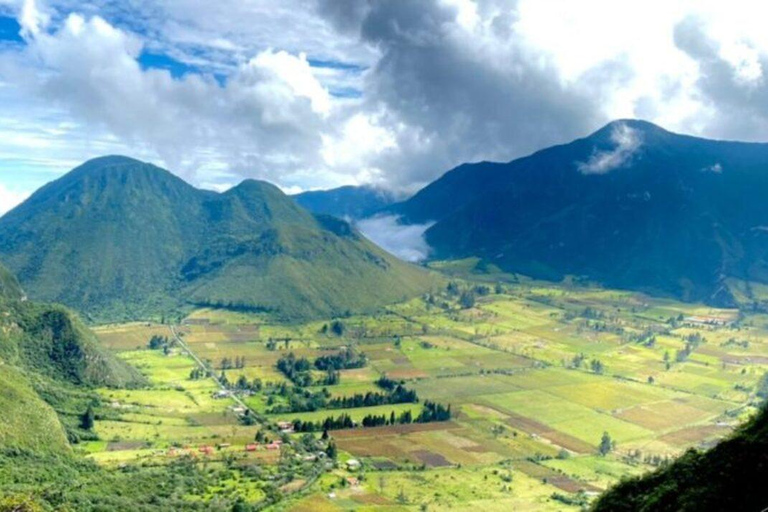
point(117, 239)
point(630, 206)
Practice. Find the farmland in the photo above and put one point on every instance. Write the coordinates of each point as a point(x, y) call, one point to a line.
point(537, 377)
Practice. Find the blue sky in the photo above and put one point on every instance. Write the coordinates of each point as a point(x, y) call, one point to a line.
point(322, 93)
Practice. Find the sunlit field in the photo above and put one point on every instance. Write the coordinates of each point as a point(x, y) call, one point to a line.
point(537, 376)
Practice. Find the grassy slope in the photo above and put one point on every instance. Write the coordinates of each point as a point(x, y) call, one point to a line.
point(27, 422)
point(48, 363)
point(728, 477)
point(9, 286)
point(118, 239)
point(338, 276)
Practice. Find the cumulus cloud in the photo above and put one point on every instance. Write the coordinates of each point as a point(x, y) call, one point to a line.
point(267, 118)
point(626, 140)
point(321, 93)
point(455, 84)
point(407, 242)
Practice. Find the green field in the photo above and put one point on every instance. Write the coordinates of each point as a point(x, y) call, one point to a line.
point(535, 375)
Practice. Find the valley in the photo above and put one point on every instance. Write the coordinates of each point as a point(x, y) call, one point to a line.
point(556, 391)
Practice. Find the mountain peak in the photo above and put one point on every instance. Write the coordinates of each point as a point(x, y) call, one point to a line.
point(618, 126)
point(252, 185)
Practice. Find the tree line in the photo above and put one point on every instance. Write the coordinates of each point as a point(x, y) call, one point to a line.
point(432, 412)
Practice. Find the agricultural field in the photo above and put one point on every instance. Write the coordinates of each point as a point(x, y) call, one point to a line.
point(555, 393)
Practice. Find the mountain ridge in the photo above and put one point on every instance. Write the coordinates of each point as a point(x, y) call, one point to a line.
point(630, 206)
point(347, 202)
point(116, 231)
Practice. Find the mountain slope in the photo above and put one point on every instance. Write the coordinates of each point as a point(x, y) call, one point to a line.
point(632, 206)
point(117, 239)
point(108, 233)
point(730, 476)
point(27, 422)
point(48, 361)
point(9, 285)
point(346, 202)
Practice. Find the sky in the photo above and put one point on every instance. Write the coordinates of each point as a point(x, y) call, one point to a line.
point(315, 94)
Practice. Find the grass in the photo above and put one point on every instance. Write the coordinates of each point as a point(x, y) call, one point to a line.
point(507, 368)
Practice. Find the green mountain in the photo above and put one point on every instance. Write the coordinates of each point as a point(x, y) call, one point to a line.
point(48, 361)
point(9, 285)
point(730, 476)
point(117, 238)
point(631, 206)
point(346, 202)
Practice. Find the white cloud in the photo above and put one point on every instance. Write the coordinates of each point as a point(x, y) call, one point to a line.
point(715, 168)
point(287, 69)
point(266, 121)
point(32, 19)
point(9, 199)
point(627, 141)
point(407, 242)
point(427, 84)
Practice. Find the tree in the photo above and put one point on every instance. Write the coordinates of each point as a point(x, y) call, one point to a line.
point(467, 299)
point(606, 444)
point(331, 450)
point(87, 419)
point(337, 327)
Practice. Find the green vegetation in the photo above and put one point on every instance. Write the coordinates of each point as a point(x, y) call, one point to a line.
point(119, 239)
point(434, 403)
point(9, 286)
point(726, 477)
point(541, 216)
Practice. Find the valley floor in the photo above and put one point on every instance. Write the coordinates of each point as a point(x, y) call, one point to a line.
point(539, 378)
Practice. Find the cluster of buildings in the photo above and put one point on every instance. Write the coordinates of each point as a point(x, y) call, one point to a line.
point(206, 449)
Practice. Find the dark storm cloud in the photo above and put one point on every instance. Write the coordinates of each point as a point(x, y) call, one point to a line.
point(464, 92)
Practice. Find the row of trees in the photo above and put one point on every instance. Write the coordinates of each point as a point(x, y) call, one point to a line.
point(345, 360)
point(229, 364)
point(298, 369)
point(303, 400)
point(399, 395)
point(431, 412)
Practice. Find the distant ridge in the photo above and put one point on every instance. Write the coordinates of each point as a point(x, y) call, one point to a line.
point(119, 239)
point(632, 205)
point(346, 202)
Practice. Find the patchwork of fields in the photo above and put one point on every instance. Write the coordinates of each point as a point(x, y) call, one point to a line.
point(536, 377)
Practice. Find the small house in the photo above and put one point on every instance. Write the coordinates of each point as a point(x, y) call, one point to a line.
point(353, 464)
point(206, 449)
point(251, 447)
